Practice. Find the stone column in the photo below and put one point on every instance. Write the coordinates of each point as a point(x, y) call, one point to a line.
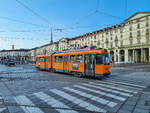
point(119, 56)
point(149, 54)
point(115, 56)
point(142, 55)
point(133, 55)
point(126, 55)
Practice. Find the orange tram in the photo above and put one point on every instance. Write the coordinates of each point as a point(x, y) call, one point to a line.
point(80, 63)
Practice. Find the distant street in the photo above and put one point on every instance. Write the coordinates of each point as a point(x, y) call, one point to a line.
point(24, 89)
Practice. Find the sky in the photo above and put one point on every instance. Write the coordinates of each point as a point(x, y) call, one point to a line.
point(25, 29)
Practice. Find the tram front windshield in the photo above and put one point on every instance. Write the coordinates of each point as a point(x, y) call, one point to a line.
point(106, 58)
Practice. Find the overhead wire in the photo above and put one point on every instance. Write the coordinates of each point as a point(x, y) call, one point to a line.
point(71, 28)
point(96, 11)
point(50, 27)
point(32, 11)
point(24, 31)
point(80, 20)
point(23, 22)
point(110, 15)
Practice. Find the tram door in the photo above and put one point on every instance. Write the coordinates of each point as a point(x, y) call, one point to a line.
point(47, 59)
point(66, 63)
point(89, 65)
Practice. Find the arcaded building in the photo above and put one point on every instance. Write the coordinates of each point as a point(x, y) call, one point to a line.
point(127, 42)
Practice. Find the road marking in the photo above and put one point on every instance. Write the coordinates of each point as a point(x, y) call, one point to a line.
point(2, 109)
point(110, 90)
point(121, 89)
point(129, 81)
point(23, 100)
point(102, 93)
point(95, 98)
point(77, 101)
point(129, 84)
point(54, 103)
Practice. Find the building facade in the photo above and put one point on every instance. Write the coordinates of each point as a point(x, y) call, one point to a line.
point(42, 50)
point(127, 42)
point(20, 55)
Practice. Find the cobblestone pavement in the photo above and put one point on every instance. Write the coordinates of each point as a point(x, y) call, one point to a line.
point(23, 89)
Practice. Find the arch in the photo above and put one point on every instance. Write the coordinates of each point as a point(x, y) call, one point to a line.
point(112, 56)
point(122, 55)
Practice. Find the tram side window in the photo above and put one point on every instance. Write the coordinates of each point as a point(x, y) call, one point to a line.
point(60, 58)
point(47, 59)
point(37, 59)
point(41, 59)
point(72, 58)
point(66, 58)
point(56, 58)
point(99, 59)
point(79, 58)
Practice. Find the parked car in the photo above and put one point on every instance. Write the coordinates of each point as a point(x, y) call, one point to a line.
point(9, 61)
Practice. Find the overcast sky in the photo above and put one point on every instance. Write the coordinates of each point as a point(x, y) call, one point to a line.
point(75, 17)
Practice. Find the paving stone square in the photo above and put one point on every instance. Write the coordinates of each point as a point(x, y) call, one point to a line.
point(45, 92)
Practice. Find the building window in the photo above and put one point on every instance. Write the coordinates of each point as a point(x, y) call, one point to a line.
point(147, 31)
point(130, 28)
point(121, 36)
point(121, 30)
point(111, 45)
point(131, 41)
point(116, 39)
point(138, 40)
point(121, 43)
point(130, 22)
point(110, 32)
point(130, 35)
point(138, 33)
point(79, 58)
point(137, 20)
point(107, 41)
point(147, 24)
point(98, 43)
point(138, 26)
